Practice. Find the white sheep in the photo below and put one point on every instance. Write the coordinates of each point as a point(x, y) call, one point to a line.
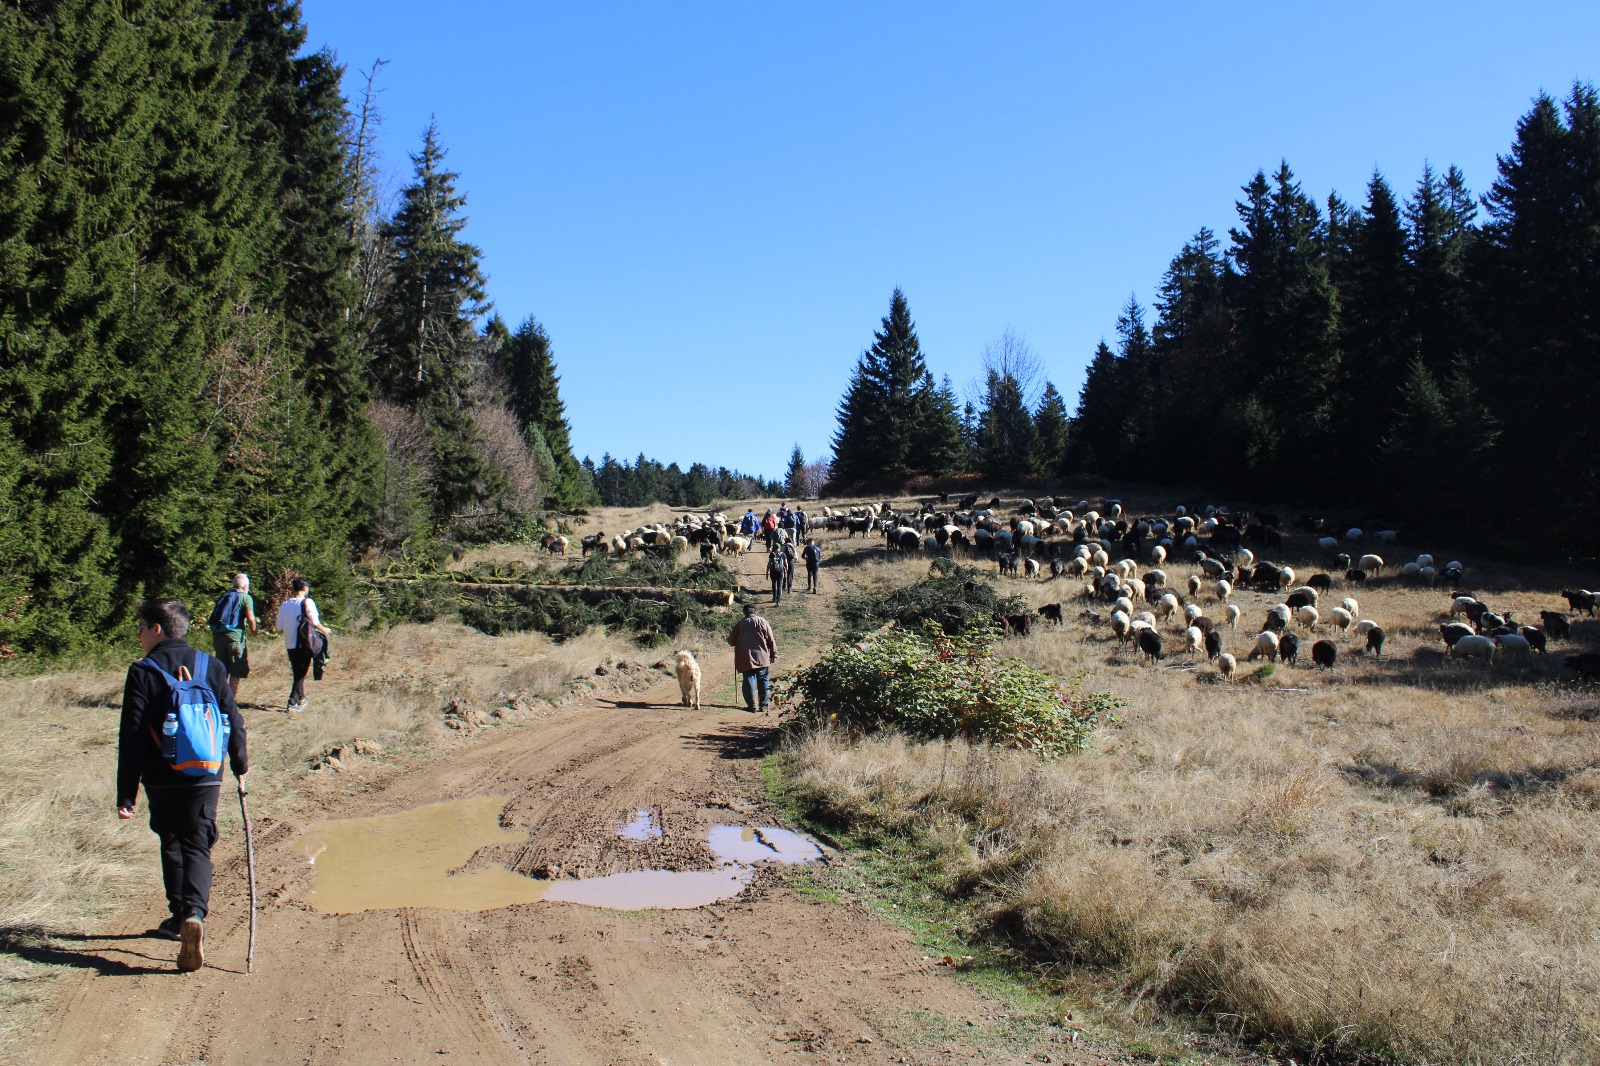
point(1349, 603)
point(1125, 605)
point(1341, 618)
point(1516, 648)
point(1308, 617)
point(1134, 589)
point(1126, 568)
point(1147, 618)
point(1190, 613)
point(1309, 593)
point(1196, 639)
point(1245, 558)
point(1224, 590)
point(1233, 616)
point(1372, 564)
point(1158, 555)
point(1329, 544)
point(1473, 647)
point(1363, 626)
point(1100, 558)
point(1226, 665)
point(1120, 625)
point(1286, 577)
point(1266, 645)
point(1194, 585)
point(1030, 568)
point(1424, 561)
point(1167, 606)
point(1155, 577)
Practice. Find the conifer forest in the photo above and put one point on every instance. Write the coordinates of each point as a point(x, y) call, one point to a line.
point(221, 349)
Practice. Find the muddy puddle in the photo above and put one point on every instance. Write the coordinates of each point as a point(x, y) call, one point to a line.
point(405, 860)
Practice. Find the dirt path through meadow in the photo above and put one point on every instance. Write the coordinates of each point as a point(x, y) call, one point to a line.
point(769, 975)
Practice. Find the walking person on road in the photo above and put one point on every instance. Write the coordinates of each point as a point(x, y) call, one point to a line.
point(769, 527)
point(182, 777)
point(777, 573)
point(754, 652)
point(300, 607)
point(813, 560)
point(787, 550)
point(234, 613)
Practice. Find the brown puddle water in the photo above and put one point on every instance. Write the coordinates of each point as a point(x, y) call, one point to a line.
point(404, 860)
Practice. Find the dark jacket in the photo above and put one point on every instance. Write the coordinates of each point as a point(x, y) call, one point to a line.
point(144, 705)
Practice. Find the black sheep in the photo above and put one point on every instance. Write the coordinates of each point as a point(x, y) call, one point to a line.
point(1375, 641)
point(1355, 577)
point(1051, 612)
point(1587, 665)
point(1320, 582)
point(1454, 631)
point(1289, 648)
point(1556, 624)
point(1324, 653)
point(1213, 644)
point(1204, 624)
point(1580, 600)
point(1535, 638)
point(1298, 600)
point(1150, 644)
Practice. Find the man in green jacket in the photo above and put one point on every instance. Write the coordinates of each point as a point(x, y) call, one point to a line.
point(235, 611)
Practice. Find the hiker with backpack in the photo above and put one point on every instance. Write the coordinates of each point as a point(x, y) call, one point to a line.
point(813, 560)
point(179, 724)
point(234, 611)
point(787, 551)
point(778, 574)
point(304, 638)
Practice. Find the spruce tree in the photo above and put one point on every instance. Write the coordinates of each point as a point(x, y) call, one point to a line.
point(1098, 421)
point(887, 392)
point(941, 447)
point(797, 483)
point(534, 393)
point(1051, 458)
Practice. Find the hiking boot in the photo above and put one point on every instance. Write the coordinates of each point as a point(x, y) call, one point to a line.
point(166, 930)
point(191, 938)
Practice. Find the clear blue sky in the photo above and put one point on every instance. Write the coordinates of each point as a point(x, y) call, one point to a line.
point(709, 204)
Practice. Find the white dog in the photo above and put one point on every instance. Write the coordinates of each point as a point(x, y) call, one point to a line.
point(689, 679)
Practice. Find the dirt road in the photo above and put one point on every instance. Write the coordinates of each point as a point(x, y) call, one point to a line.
point(769, 975)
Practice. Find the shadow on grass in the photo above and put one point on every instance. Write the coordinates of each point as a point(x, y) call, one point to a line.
point(36, 944)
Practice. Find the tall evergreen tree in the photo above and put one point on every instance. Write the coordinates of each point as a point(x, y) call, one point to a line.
point(886, 394)
point(1051, 456)
point(941, 447)
point(797, 483)
point(1009, 443)
point(534, 393)
point(1440, 241)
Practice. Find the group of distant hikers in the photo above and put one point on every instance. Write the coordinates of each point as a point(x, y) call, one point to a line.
point(181, 722)
point(782, 529)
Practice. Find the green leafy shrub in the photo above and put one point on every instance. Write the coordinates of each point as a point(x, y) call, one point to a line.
point(931, 685)
point(957, 599)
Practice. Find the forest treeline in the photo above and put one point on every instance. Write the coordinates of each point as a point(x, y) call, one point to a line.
point(1431, 360)
point(218, 349)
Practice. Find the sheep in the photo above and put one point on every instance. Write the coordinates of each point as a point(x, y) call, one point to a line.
point(1341, 618)
point(1328, 544)
point(555, 544)
point(1587, 665)
point(1244, 557)
point(1514, 647)
point(1453, 633)
point(1372, 564)
point(1213, 645)
point(1580, 600)
point(1167, 606)
point(1411, 573)
point(594, 542)
point(1375, 639)
point(1308, 618)
point(1194, 584)
point(1125, 605)
point(1311, 594)
point(1158, 555)
point(1320, 582)
point(1146, 618)
point(1190, 613)
point(1150, 644)
point(1354, 534)
point(1233, 616)
point(1465, 607)
point(1031, 568)
point(1289, 649)
point(1535, 638)
point(1556, 624)
point(1277, 618)
point(1473, 647)
point(736, 546)
point(1226, 665)
point(1424, 561)
point(1100, 558)
point(1349, 603)
point(1196, 640)
point(1355, 576)
point(1324, 653)
point(1365, 626)
point(1213, 567)
point(1155, 577)
point(1298, 599)
point(679, 544)
point(1120, 626)
point(1266, 645)
point(1223, 590)
point(1286, 577)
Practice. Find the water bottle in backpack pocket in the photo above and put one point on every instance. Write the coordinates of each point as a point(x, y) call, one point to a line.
point(195, 733)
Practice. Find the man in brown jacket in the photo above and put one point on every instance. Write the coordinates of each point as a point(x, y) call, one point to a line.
point(754, 651)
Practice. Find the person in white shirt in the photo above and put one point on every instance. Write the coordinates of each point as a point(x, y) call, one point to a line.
point(289, 615)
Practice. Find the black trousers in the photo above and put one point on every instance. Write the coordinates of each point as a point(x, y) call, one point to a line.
point(186, 821)
point(300, 663)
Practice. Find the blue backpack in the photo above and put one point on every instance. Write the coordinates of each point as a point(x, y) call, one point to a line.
point(198, 743)
point(225, 615)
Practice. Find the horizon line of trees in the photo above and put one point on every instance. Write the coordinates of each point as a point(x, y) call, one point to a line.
point(1401, 359)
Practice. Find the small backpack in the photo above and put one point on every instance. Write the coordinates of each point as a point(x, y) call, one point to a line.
point(201, 742)
point(225, 615)
point(306, 636)
point(775, 565)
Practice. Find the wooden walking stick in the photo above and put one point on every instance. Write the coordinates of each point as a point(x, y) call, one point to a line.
point(250, 865)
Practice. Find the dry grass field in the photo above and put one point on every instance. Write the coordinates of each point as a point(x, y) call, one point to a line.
point(1397, 857)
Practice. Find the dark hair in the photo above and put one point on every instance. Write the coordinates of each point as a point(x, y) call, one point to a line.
point(300, 584)
point(749, 609)
point(171, 615)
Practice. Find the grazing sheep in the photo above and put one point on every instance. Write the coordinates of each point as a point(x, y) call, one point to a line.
point(1313, 597)
point(1194, 584)
point(1277, 618)
point(1226, 665)
point(1556, 624)
point(1452, 632)
point(1286, 577)
point(1341, 618)
point(1031, 568)
point(1223, 590)
point(1308, 618)
point(1534, 637)
point(1356, 576)
point(1514, 647)
point(1349, 603)
point(1190, 613)
point(1587, 665)
point(1213, 645)
point(1125, 605)
point(1580, 600)
point(1324, 653)
point(1155, 578)
point(1120, 626)
point(1365, 626)
point(1167, 606)
point(594, 542)
point(1289, 648)
point(555, 544)
point(1266, 645)
point(736, 546)
point(1298, 599)
point(1196, 641)
point(1375, 641)
point(1462, 605)
point(1233, 616)
point(679, 544)
point(1150, 644)
point(1158, 555)
point(1051, 612)
point(1328, 544)
point(688, 672)
point(1146, 617)
point(1372, 564)
point(1244, 557)
point(1320, 582)
point(1473, 647)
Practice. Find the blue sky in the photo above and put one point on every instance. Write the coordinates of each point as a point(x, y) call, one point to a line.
point(708, 205)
